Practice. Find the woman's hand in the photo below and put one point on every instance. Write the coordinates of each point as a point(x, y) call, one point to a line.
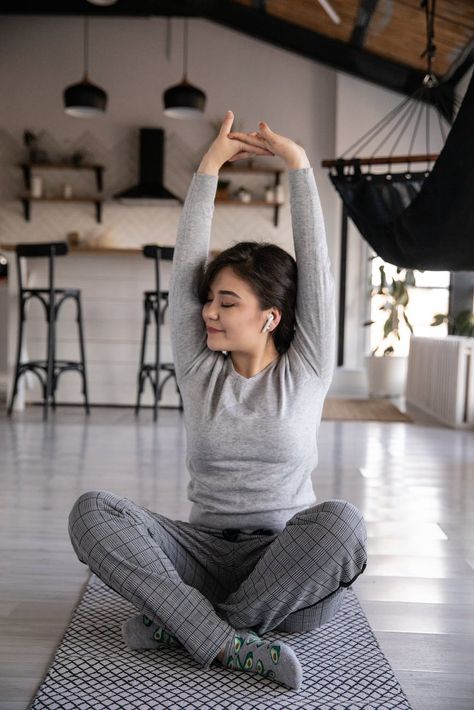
point(224, 149)
point(290, 152)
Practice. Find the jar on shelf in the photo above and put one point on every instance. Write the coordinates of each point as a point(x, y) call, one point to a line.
point(269, 193)
point(279, 194)
point(243, 194)
point(36, 186)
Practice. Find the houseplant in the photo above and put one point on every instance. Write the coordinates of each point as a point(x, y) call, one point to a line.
point(386, 371)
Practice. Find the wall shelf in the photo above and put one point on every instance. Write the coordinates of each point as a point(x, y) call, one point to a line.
point(27, 199)
point(230, 169)
point(29, 167)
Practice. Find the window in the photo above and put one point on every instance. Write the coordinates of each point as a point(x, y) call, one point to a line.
point(430, 295)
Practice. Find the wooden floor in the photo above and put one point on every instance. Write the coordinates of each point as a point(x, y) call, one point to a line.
point(413, 482)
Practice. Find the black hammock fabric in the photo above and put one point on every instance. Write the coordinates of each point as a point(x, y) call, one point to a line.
point(415, 221)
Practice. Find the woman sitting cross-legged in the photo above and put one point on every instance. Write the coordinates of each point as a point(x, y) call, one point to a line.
point(253, 336)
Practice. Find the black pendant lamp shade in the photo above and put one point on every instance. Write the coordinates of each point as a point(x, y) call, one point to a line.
point(184, 100)
point(84, 99)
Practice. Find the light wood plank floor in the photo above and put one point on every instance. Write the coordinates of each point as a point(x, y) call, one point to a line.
point(413, 482)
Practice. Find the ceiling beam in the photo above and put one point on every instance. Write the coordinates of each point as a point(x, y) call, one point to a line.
point(461, 65)
point(364, 16)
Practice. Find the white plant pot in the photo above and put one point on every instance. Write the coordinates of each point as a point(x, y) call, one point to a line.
point(387, 375)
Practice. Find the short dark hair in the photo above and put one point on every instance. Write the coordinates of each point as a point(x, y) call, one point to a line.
point(271, 273)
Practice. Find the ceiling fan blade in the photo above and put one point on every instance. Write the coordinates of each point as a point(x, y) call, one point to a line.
point(330, 11)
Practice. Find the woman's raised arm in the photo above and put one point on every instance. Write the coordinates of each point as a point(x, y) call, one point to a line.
point(314, 339)
point(188, 335)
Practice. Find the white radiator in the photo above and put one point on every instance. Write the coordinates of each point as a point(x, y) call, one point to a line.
point(440, 378)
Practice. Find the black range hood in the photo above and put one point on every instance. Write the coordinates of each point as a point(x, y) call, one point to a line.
point(151, 166)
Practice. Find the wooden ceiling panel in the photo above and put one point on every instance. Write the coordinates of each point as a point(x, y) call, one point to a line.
point(459, 12)
point(398, 31)
point(310, 15)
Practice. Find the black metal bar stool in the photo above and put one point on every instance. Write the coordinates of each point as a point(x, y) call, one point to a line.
point(155, 303)
point(49, 370)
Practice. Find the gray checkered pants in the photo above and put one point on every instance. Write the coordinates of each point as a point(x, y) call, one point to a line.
point(200, 586)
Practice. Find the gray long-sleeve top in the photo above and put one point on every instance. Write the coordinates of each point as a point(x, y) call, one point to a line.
point(252, 442)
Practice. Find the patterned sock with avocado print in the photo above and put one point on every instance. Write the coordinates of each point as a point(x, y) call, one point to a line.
point(140, 632)
point(271, 659)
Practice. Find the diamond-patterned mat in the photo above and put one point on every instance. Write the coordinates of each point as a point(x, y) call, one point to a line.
point(343, 665)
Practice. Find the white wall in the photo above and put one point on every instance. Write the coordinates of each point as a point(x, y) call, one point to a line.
point(41, 56)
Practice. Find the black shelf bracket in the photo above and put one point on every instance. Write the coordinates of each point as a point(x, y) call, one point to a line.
point(26, 176)
point(99, 177)
point(26, 209)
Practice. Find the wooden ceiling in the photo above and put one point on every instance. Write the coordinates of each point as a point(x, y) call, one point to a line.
point(378, 40)
point(392, 29)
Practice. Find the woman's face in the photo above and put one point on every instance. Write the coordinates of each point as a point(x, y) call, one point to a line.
point(232, 314)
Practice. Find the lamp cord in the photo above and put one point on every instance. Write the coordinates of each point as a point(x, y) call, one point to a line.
point(185, 49)
point(86, 47)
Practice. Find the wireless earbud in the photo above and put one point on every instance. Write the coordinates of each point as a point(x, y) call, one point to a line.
point(266, 327)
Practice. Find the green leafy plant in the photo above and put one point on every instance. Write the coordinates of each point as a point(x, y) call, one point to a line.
point(30, 139)
point(461, 324)
point(397, 298)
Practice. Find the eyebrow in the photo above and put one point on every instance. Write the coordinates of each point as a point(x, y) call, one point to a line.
point(227, 293)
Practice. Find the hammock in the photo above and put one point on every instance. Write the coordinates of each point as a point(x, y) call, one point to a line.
point(419, 220)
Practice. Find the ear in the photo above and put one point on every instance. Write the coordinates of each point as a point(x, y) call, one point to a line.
point(276, 318)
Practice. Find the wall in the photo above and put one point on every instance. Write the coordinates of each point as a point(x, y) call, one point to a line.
point(41, 56)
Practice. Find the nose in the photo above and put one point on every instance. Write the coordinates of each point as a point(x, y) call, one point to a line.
point(209, 311)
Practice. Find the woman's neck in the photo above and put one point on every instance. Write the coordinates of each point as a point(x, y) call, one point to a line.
point(250, 364)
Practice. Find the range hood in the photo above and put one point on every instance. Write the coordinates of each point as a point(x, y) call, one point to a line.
point(150, 188)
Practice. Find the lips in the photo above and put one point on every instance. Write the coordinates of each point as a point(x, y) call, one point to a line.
point(213, 330)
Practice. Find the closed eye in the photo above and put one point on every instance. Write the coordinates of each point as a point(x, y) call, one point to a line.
point(224, 305)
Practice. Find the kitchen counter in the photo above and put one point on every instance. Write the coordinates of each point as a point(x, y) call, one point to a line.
point(87, 249)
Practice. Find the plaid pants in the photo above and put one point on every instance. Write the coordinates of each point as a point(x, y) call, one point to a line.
point(200, 585)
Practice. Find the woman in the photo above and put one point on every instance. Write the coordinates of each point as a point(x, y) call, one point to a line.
point(253, 344)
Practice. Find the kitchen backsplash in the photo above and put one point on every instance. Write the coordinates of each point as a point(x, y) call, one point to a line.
point(122, 225)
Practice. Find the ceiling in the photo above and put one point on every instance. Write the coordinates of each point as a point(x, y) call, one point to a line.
point(377, 40)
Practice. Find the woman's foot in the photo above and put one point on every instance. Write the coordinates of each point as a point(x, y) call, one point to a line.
point(271, 659)
point(140, 632)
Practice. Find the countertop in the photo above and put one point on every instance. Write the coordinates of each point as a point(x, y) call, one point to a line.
point(88, 249)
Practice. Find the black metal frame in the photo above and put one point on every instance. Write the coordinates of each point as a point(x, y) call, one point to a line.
point(155, 303)
point(49, 370)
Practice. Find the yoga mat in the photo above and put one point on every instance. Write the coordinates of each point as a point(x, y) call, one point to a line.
point(343, 665)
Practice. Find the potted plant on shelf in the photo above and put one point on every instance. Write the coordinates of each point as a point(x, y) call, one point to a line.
point(31, 141)
point(386, 371)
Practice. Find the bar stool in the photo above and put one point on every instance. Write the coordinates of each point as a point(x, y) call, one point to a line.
point(155, 303)
point(48, 370)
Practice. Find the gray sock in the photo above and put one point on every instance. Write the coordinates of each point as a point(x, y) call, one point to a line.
point(140, 632)
point(271, 659)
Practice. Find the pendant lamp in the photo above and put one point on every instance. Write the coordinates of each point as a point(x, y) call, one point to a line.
point(85, 100)
point(184, 100)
